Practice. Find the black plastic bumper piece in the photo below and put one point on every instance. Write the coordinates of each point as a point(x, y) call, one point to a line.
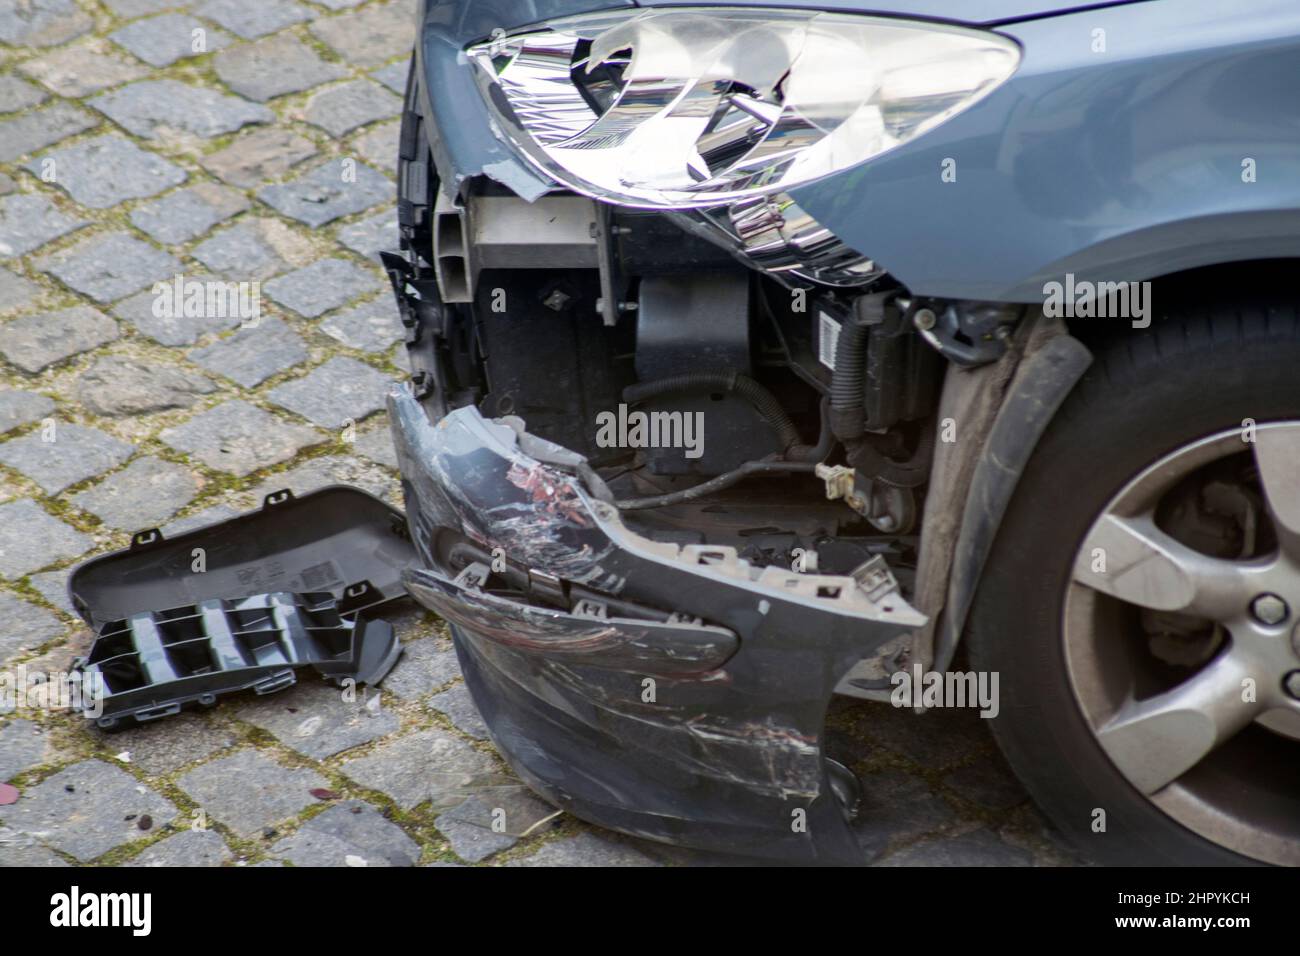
point(338, 539)
point(152, 664)
point(674, 693)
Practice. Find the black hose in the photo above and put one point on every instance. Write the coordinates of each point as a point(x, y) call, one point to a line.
point(849, 380)
point(764, 402)
point(901, 474)
point(716, 484)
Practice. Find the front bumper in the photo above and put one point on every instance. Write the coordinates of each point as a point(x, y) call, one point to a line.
point(672, 693)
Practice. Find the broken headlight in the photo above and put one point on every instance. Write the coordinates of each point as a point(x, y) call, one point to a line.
point(697, 108)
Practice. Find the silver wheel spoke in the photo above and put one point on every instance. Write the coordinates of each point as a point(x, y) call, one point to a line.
point(1133, 560)
point(1156, 741)
point(1277, 454)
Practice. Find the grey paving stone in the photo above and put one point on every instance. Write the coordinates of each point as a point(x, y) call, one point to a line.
point(328, 470)
point(16, 292)
point(377, 445)
point(23, 745)
point(107, 170)
point(161, 41)
point(248, 791)
point(373, 235)
point(189, 848)
point(977, 848)
point(83, 810)
point(349, 834)
point(17, 94)
point(239, 438)
point(426, 665)
point(252, 20)
point(119, 385)
point(252, 355)
point(427, 766)
point(6, 184)
point(379, 146)
point(75, 454)
point(394, 75)
point(259, 155)
point(988, 783)
point(26, 854)
point(342, 390)
point(26, 627)
point(371, 35)
point(32, 131)
point(328, 192)
point(250, 250)
point(151, 108)
point(200, 520)
point(82, 69)
point(41, 22)
point(370, 327)
point(341, 109)
point(897, 807)
point(471, 840)
point(138, 8)
point(53, 586)
point(31, 538)
point(167, 745)
point(324, 285)
point(315, 720)
point(109, 266)
point(459, 708)
point(143, 495)
point(19, 408)
point(273, 67)
point(29, 220)
point(340, 4)
point(585, 849)
point(34, 342)
point(170, 328)
point(188, 213)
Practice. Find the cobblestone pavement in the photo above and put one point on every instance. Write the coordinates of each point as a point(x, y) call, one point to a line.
point(253, 140)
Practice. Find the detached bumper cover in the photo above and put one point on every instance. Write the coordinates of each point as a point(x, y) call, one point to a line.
point(673, 693)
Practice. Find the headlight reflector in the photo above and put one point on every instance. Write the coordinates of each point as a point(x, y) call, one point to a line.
point(691, 108)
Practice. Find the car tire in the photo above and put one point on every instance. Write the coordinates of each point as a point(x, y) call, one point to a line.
point(1146, 394)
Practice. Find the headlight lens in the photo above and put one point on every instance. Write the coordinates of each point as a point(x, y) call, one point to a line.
point(691, 108)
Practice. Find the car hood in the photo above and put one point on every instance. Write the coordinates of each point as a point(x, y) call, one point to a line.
point(956, 11)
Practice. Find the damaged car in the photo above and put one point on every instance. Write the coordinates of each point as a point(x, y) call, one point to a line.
point(768, 353)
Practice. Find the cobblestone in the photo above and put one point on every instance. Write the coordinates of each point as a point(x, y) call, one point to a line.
point(109, 266)
point(273, 67)
point(238, 437)
point(31, 538)
point(107, 170)
point(259, 155)
point(29, 220)
point(143, 495)
point(187, 213)
point(253, 355)
point(82, 69)
point(249, 792)
point(349, 834)
point(161, 41)
point(153, 108)
point(190, 848)
point(328, 192)
point(26, 627)
point(32, 131)
point(68, 455)
point(325, 284)
point(341, 109)
point(116, 386)
point(87, 809)
point(21, 408)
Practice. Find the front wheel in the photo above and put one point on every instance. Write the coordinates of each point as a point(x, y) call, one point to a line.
point(1142, 601)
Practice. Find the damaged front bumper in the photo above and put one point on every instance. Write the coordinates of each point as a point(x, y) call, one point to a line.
point(674, 693)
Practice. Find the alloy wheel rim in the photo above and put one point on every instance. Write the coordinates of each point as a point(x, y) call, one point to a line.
point(1211, 745)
